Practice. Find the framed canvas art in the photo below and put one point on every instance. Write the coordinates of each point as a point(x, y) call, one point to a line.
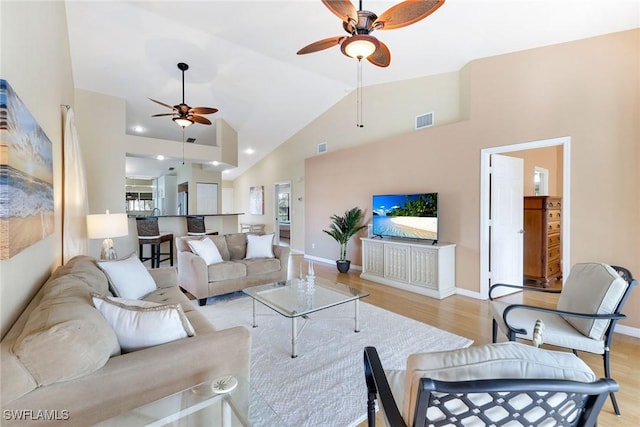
point(26, 177)
point(256, 200)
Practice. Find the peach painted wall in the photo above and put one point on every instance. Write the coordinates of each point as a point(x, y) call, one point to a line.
point(561, 90)
point(549, 158)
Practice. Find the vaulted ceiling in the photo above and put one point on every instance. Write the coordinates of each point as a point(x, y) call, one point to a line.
point(242, 55)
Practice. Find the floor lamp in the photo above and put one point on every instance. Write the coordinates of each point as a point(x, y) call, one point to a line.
point(106, 226)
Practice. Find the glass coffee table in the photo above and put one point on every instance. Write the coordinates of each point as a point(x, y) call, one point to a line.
point(205, 404)
point(298, 298)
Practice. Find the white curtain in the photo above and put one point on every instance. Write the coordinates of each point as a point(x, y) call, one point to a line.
point(75, 201)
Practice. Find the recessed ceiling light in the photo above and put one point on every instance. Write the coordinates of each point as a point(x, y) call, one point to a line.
point(160, 157)
point(249, 151)
point(215, 163)
point(226, 171)
point(138, 129)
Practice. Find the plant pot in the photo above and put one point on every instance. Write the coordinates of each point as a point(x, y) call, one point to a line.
point(343, 265)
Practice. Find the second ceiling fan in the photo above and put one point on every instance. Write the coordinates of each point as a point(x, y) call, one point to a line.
point(360, 23)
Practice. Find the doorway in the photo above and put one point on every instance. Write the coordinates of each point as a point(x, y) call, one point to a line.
point(282, 203)
point(485, 203)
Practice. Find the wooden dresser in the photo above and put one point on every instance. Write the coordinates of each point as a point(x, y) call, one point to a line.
point(542, 238)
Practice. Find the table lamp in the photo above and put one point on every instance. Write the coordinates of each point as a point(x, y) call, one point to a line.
point(106, 226)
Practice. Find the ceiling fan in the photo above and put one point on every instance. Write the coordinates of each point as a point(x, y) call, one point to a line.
point(360, 23)
point(184, 114)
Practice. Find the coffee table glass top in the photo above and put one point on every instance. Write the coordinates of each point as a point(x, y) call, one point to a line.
point(295, 298)
point(201, 405)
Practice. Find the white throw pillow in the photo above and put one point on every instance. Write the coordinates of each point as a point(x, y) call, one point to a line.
point(129, 278)
point(141, 324)
point(205, 249)
point(259, 246)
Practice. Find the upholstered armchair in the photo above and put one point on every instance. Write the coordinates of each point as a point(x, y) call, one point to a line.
point(496, 384)
point(588, 308)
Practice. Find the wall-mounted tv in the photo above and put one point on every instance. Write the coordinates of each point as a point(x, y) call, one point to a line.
point(413, 216)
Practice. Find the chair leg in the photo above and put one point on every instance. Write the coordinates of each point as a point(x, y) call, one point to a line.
point(494, 332)
point(607, 374)
point(371, 410)
point(202, 301)
point(171, 252)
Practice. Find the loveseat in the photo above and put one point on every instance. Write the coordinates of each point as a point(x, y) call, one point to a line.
point(242, 260)
point(62, 361)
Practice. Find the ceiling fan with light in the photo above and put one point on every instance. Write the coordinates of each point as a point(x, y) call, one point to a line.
point(184, 115)
point(361, 23)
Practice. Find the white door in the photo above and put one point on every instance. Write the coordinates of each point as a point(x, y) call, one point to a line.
point(506, 222)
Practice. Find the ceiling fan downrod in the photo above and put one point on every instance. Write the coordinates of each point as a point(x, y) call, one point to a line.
point(184, 67)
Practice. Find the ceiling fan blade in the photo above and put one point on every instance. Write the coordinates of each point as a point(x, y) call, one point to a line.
point(406, 13)
point(321, 45)
point(203, 110)
point(200, 119)
point(164, 114)
point(381, 57)
point(343, 9)
point(162, 103)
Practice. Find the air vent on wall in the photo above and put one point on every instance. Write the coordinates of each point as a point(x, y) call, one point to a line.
point(191, 140)
point(424, 120)
point(322, 147)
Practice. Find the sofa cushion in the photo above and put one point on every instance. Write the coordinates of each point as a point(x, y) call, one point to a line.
point(205, 249)
point(221, 244)
point(237, 245)
point(84, 268)
point(255, 267)
point(502, 360)
point(65, 337)
point(226, 270)
point(128, 277)
point(592, 288)
point(141, 324)
point(259, 246)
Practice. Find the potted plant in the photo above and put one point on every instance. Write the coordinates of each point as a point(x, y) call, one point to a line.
point(342, 228)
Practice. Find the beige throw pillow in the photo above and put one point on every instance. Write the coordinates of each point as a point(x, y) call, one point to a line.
point(141, 324)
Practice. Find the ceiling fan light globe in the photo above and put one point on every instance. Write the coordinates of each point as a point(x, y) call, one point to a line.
point(183, 122)
point(359, 46)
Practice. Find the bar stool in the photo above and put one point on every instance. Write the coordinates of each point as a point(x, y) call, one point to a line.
point(149, 234)
point(195, 226)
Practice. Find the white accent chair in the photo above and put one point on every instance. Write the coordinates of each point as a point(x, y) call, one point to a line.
point(589, 306)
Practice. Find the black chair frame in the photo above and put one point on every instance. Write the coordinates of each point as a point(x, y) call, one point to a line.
point(588, 398)
point(608, 335)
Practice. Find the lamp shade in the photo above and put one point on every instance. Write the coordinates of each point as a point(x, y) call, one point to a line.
point(183, 122)
point(360, 46)
point(106, 226)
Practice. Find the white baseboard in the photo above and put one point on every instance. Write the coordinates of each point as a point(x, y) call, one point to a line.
point(331, 262)
point(627, 330)
point(467, 293)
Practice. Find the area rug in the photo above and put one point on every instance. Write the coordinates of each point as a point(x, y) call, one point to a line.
point(324, 386)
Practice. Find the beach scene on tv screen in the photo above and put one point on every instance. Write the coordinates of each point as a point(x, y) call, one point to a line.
point(406, 215)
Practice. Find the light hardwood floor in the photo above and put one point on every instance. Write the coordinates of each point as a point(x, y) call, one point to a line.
point(471, 318)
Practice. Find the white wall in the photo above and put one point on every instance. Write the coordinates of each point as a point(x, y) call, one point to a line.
point(35, 61)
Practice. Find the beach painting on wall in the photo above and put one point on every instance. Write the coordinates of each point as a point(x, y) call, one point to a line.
point(26, 177)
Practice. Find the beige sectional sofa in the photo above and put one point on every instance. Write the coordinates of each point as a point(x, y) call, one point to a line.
point(235, 272)
point(62, 357)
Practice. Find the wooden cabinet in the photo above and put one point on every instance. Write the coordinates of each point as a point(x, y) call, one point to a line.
point(542, 238)
point(418, 267)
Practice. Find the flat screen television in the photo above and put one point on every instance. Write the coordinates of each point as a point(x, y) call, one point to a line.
point(413, 216)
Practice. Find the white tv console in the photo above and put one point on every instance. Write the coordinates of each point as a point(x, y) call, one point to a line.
point(415, 266)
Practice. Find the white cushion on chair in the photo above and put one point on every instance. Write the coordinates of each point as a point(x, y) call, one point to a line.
point(593, 288)
point(492, 361)
point(557, 331)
